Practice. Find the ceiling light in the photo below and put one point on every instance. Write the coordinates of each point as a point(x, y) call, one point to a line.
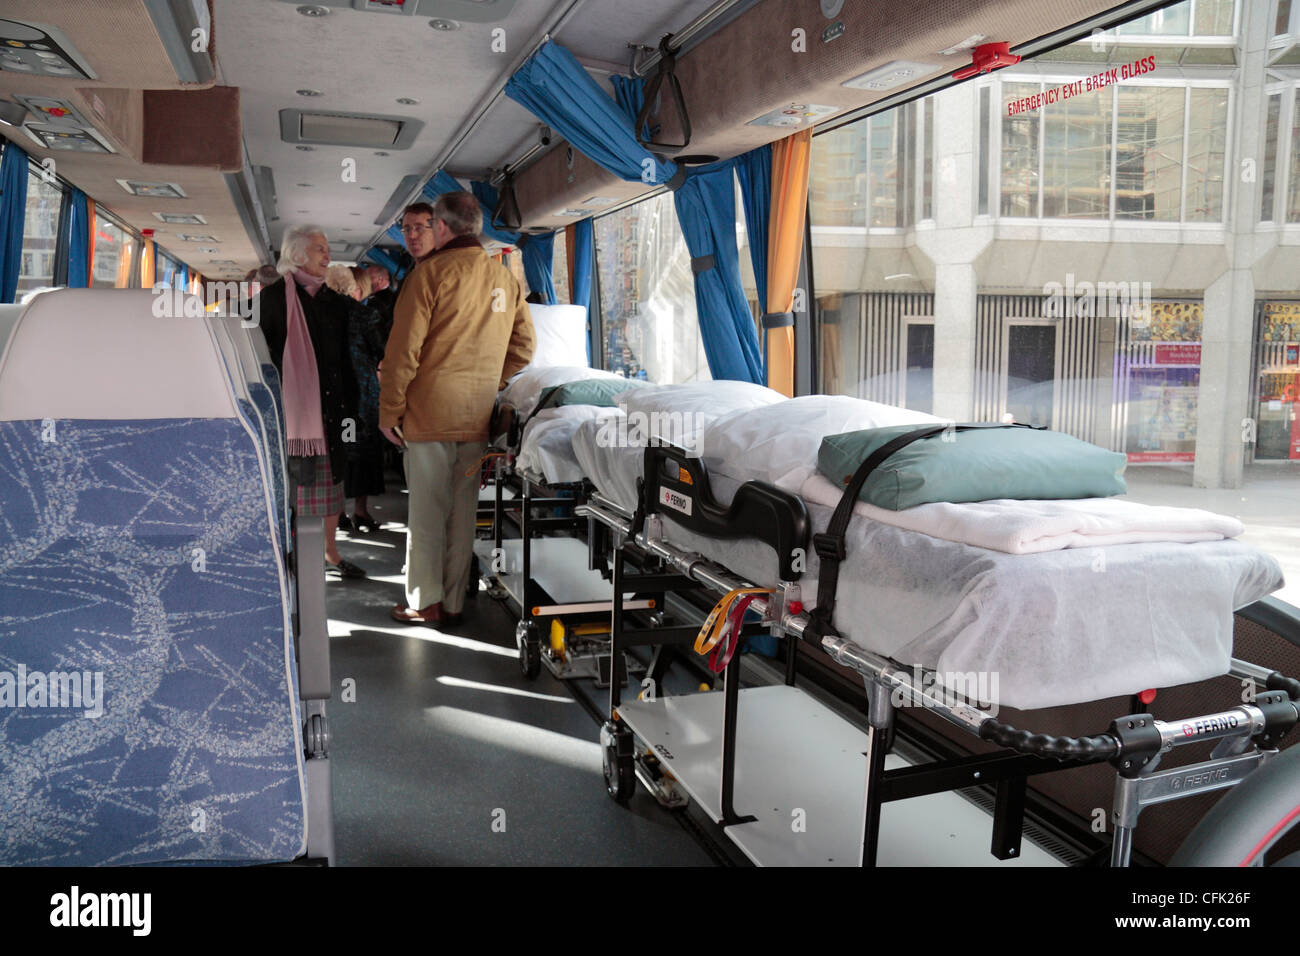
point(446, 26)
point(891, 75)
point(314, 10)
point(152, 190)
point(407, 101)
point(380, 152)
point(309, 93)
point(305, 149)
point(183, 218)
point(186, 237)
point(305, 185)
point(368, 187)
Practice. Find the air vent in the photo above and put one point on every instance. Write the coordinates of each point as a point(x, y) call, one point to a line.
point(348, 129)
point(188, 238)
point(181, 218)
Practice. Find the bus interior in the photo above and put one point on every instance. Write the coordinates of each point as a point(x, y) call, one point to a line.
point(753, 227)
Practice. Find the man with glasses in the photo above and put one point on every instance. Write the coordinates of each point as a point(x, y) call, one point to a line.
point(417, 230)
point(460, 329)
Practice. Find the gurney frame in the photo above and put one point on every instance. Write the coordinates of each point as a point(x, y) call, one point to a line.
point(676, 487)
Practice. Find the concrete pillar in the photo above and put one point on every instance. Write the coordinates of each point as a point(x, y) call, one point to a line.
point(1229, 319)
point(954, 245)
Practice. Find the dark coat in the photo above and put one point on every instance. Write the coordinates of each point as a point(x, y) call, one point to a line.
point(327, 322)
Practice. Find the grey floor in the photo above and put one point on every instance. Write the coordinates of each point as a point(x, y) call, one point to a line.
point(449, 756)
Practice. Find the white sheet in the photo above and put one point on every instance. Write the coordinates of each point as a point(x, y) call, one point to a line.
point(1031, 527)
point(1058, 627)
point(525, 389)
point(547, 446)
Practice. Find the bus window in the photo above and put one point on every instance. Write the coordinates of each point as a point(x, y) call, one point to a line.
point(39, 232)
point(113, 253)
point(647, 294)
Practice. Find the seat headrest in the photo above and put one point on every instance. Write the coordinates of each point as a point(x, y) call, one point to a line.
point(105, 354)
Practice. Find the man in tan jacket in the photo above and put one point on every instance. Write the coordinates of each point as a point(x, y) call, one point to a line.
point(460, 329)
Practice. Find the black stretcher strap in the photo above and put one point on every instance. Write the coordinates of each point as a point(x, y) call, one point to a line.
point(830, 545)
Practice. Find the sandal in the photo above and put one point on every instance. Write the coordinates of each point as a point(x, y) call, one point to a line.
point(366, 523)
point(344, 569)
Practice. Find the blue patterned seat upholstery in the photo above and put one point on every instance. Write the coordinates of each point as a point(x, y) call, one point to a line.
point(138, 549)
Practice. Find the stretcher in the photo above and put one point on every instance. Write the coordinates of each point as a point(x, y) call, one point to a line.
point(563, 605)
point(668, 515)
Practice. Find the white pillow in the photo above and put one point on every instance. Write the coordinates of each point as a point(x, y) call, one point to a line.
point(526, 388)
point(561, 332)
point(779, 443)
point(680, 413)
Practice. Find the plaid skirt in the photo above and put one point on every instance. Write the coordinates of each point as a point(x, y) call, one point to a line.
point(323, 496)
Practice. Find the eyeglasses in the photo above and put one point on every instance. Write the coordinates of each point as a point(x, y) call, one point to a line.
point(414, 229)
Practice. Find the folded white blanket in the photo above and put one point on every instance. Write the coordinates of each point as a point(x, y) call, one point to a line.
point(1032, 527)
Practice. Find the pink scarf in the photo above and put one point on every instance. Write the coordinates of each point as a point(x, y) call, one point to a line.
point(302, 412)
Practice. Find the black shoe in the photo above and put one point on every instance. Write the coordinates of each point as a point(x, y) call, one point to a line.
point(344, 569)
point(366, 523)
point(345, 523)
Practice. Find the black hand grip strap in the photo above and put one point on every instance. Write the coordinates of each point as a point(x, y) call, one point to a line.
point(667, 63)
point(772, 516)
point(1087, 749)
point(830, 544)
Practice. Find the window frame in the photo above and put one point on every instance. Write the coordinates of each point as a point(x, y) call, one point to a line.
point(1111, 221)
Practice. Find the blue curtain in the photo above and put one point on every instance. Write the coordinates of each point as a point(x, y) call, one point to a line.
point(539, 258)
point(584, 267)
point(706, 209)
point(554, 87)
point(381, 258)
point(754, 170)
point(77, 235)
point(183, 276)
point(13, 212)
point(487, 198)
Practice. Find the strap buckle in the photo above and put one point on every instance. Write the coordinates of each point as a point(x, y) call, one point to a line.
point(829, 547)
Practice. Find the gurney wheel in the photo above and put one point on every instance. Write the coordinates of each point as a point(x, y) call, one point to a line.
point(530, 650)
point(1252, 817)
point(620, 777)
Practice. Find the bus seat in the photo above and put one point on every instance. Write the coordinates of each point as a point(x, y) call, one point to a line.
point(143, 599)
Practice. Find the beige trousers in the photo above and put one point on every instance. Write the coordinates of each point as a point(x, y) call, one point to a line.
point(442, 502)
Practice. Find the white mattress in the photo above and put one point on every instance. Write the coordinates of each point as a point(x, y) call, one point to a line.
point(1057, 628)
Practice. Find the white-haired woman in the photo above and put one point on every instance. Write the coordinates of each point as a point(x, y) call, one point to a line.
point(306, 328)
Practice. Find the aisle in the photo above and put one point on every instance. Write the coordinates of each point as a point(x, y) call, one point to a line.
point(448, 756)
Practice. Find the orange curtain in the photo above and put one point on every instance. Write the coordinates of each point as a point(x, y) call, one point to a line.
point(790, 161)
point(90, 252)
point(570, 237)
point(146, 265)
point(123, 279)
